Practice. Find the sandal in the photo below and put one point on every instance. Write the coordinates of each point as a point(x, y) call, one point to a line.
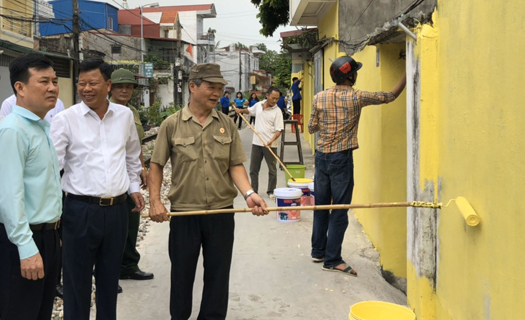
point(317, 260)
point(349, 271)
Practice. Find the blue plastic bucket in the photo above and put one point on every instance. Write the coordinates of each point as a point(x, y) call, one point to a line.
point(288, 197)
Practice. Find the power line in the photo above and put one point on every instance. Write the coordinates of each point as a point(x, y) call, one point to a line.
point(187, 34)
point(352, 27)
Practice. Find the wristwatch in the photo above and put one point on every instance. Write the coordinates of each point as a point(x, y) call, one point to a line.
point(248, 194)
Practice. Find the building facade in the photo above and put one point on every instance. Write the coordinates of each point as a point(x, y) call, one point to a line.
point(455, 131)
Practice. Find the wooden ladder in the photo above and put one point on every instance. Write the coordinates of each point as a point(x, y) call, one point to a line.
point(295, 127)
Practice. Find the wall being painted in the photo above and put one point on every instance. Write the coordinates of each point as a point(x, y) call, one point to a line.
point(380, 161)
point(471, 144)
point(328, 28)
point(359, 18)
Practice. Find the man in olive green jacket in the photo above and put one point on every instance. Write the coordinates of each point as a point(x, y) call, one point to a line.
point(123, 84)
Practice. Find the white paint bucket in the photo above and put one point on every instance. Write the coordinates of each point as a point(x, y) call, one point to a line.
point(312, 193)
point(302, 183)
point(288, 197)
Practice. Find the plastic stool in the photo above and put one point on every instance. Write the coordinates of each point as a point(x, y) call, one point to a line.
point(299, 118)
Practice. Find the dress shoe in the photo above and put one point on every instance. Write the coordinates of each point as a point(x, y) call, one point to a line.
point(137, 275)
point(119, 289)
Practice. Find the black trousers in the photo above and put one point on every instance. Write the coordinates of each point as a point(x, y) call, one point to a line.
point(28, 299)
point(92, 236)
point(296, 104)
point(130, 260)
point(214, 233)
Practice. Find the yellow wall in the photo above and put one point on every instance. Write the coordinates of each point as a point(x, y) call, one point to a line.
point(380, 161)
point(472, 129)
point(328, 28)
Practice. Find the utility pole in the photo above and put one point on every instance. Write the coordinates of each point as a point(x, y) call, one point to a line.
point(177, 71)
point(76, 46)
point(240, 69)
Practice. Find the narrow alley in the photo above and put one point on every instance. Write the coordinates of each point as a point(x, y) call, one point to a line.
point(272, 275)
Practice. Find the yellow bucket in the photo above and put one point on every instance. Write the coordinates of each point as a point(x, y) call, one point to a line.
point(378, 310)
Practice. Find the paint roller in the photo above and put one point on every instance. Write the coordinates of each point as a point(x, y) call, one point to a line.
point(466, 210)
point(468, 213)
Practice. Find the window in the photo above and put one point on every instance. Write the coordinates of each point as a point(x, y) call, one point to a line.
point(116, 49)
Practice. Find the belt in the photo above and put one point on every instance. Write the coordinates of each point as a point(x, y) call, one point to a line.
point(103, 202)
point(45, 226)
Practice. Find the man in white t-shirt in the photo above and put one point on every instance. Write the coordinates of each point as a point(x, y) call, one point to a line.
point(11, 101)
point(269, 125)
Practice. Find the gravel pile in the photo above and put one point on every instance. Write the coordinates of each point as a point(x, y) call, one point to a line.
point(147, 149)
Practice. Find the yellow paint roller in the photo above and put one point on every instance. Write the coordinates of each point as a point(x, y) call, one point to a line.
point(467, 211)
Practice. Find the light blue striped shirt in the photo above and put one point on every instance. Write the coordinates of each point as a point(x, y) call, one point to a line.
point(30, 190)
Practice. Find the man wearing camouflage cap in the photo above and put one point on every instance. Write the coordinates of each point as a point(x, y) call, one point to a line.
point(123, 84)
point(207, 160)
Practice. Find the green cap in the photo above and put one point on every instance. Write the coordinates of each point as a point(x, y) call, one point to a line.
point(123, 76)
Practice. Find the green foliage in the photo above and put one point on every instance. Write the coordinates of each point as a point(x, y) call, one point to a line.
point(262, 47)
point(272, 14)
point(279, 65)
point(307, 39)
point(240, 45)
point(267, 61)
point(158, 64)
point(155, 114)
point(283, 70)
point(143, 114)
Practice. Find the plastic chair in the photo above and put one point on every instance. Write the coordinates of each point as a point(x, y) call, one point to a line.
point(299, 118)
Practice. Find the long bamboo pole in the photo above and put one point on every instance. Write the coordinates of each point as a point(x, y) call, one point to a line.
point(266, 145)
point(318, 207)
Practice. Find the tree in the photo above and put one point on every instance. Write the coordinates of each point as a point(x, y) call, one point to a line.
point(268, 61)
point(279, 65)
point(283, 70)
point(261, 46)
point(272, 14)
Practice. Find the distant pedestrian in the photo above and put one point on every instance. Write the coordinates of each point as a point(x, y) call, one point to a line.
point(251, 102)
point(123, 84)
point(335, 116)
point(269, 126)
point(225, 103)
point(296, 95)
point(207, 159)
point(98, 147)
point(239, 102)
point(30, 195)
point(11, 101)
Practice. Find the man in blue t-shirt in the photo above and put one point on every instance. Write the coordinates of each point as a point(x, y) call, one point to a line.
point(296, 95)
point(225, 103)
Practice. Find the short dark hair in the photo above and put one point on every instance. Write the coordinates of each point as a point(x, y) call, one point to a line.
point(272, 89)
point(19, 67)
point(294, 78)
point(92, 64)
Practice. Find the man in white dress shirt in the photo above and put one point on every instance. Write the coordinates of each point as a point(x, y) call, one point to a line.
point(98, 147)
point(8, 104)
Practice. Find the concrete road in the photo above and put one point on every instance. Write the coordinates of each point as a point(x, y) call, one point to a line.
point(272, 275)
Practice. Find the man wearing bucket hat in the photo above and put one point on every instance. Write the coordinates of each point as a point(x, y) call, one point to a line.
point(207, 159)
point(123, 84)
point(335, 115)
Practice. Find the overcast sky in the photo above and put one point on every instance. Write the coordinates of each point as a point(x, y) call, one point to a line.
point(235, 21)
